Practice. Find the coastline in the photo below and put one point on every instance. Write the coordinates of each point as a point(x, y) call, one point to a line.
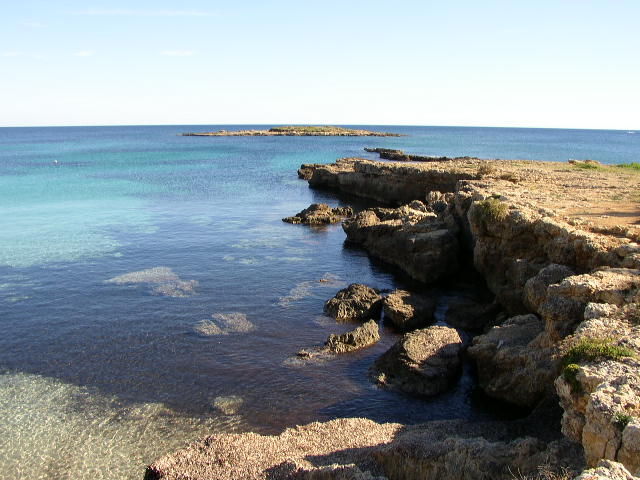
point(563, 274)
point(295, 131)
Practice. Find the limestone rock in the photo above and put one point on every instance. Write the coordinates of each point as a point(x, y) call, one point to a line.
point(320, 214)
point(535, 289)
point(601, 400)
point(408, 311)
point(563, 308)
point(425, 361)
point(413, 240)
point(512, 365)
point(363, 336)
point(607, 470)
point(356, 302)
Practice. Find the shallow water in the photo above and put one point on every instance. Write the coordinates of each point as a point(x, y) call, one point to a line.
point(150, 293)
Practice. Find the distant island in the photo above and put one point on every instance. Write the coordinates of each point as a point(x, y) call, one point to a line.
point(293, 131)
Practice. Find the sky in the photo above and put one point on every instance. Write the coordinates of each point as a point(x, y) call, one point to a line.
point(560, 63)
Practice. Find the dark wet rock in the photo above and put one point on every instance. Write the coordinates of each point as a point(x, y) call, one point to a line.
point(425, 361)
point(469, 314)
point(320, 214)
point(408, 311)
point(365, 335)
point(513, 363)
point(356, 302)
point(409, 237)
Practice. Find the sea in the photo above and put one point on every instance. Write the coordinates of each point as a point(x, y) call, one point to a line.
point(150, 294)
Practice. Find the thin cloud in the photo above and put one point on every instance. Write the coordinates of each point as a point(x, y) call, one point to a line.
point(84, 53)
point(10, 54)
point(119, 12)
point(32, 24)
point(177, 53)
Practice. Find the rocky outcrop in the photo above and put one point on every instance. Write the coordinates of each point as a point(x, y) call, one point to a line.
point(401, 156)
point(408, 311)
point(356, 302)
point(295, 131)
point(417, 241)
point(512, 363)
point(363, 336)
point(359, 449)
point(600, 393)
point(320, 214)
point(426, 361)
point(607, 470)
point(389, 183)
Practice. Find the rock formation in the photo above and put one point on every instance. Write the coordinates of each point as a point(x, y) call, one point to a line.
point(320, 214)
point(425, 361)
point(356, 302)
point(408, 311)
point(362, 336)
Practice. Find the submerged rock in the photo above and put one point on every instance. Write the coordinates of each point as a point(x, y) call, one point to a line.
point(363, 336)
point(356, 302)
point(408, 311)
point(163, 281)
point(320, 214)
point(425, 361)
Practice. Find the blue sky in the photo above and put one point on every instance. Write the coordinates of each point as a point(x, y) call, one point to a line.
point(562, 63)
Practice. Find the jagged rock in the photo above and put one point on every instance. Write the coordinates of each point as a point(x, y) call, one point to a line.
point(468, 314)
point(413, 240)
point(363, 336)
point(512, 363)
point(601, 400)
point(606, 470)
point(563, 308)
point(320, 214)
point(408, 311)
point(425, 361)
point(535, 289)
point(356, 302)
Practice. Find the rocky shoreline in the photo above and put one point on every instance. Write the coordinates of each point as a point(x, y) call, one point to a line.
point(557, 247)
point(295, 131)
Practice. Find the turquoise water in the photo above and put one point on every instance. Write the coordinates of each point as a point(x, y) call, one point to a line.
point(150, 293)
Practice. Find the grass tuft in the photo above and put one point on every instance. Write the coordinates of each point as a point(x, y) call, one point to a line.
point(492, 209)
point(631, 165)
point(570, 374)
point(595, 349)
point(621, 420)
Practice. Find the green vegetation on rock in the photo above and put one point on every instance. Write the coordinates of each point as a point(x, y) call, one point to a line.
point(492, 209)
point(621, 420)
point(595, 349)
point(570, 374)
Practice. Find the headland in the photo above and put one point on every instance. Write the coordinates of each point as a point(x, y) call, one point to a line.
point(557, 246)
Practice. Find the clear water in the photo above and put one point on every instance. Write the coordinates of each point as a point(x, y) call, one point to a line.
point(150, 294)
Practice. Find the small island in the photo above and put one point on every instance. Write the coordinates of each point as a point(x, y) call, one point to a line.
point(296, 131)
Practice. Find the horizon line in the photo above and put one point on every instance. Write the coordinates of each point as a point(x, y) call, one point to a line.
point(314, 124)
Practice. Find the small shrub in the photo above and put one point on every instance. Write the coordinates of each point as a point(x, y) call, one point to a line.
point(510, 177)
point(570, 374)
point(486, 169)
point(621, 420)
point(595, 349)
point(492, 209)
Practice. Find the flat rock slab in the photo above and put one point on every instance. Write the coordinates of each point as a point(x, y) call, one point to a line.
point(319, 214)
point(408, 311)
point(426, 361)
point(356, 302)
